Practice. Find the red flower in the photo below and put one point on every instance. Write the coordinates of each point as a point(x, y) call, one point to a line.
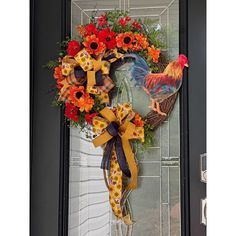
point(71, 112)
point(108, 37)
point(127, 18)
point(59, 85)
point(73, 48)
point(91, 29)
point(122, 22)
point(89, 117)
point(137, 25)
point(102, 20)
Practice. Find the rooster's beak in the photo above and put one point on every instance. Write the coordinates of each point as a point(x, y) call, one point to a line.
point(186, 65)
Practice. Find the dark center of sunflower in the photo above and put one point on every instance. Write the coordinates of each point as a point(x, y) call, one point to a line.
point(127, 40)
point(108, 38)
point(78, 95)
point(94, 45)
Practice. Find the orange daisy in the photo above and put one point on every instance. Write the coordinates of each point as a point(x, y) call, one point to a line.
point(80, 98)
point(93, 45)
point(75, 94)
point(140, 42)
point(125, 40)
point(154, 53)
point(86, 103)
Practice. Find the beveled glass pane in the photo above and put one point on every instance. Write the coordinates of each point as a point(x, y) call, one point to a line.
point(156, 203)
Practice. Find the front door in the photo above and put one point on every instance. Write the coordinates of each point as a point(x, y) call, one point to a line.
point(156, 204)
point(170, 193)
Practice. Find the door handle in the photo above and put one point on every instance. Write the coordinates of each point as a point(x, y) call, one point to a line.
point(203, 168)
point(203, 178)
point(204, 211)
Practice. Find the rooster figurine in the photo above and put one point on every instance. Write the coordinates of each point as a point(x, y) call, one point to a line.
point(158, 86)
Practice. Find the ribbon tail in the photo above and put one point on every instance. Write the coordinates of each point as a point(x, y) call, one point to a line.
point(115, 186)
point(127, 220)
point(121, 157)
point(106, 160)
point(131, 163)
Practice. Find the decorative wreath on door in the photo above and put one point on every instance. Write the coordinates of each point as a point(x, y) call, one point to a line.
point(84, 87)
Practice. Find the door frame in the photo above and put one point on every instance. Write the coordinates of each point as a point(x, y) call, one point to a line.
point(49, 134)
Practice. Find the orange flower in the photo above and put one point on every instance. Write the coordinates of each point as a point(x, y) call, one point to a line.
point(138, 120)
point(58, 76)
point(93, 45)
point(81, 30)
point(57, 73)
point(87, 30)
point(154, 53)
point(140, 42)
point(80, 98)
point(75, 94)
point(125, 40)
point(86, 103)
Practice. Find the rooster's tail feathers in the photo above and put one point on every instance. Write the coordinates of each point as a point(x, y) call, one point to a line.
point(140, 68)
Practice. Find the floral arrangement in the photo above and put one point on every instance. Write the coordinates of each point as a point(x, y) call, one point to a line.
point(82, 69)
point(83, 83)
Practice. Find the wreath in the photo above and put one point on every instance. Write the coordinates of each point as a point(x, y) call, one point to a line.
point(84, 87)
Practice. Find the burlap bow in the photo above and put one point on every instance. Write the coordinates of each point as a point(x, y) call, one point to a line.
point(96, 71)
point(98, 80)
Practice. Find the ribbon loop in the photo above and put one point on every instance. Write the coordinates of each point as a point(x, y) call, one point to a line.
point(99, 78)
point(112, 129)
point(79, 73)
point(68, 63)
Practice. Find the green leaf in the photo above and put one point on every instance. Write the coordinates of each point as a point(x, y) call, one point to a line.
point(52, 64)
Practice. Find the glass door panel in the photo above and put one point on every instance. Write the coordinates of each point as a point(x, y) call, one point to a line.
point(156, 202)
